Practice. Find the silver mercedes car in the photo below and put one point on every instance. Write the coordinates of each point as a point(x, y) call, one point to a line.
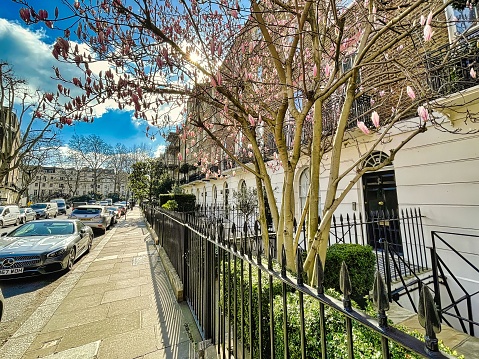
point(42, 247)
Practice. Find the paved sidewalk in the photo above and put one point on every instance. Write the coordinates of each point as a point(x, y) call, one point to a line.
point(116, 303)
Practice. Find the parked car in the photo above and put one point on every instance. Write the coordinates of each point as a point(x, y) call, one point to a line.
point(45, 210)
point(27, 215)
point(76, 204)
point(95, 216)
point(42, 247)
point(9, 214)
point(2, 300)
point(121, 207)
point(62, 205)
point(115, 211)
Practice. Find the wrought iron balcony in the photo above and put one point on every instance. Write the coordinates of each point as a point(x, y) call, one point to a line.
point(449, 67)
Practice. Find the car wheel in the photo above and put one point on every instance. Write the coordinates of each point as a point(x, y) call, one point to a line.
point(90, 243)
point(71, 259)
point(1, 224)
point(55, 216)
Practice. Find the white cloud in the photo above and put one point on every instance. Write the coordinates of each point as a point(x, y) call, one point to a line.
point(160, 150)
point(31, 58)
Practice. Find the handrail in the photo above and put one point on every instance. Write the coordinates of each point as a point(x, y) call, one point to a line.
point(440, 264)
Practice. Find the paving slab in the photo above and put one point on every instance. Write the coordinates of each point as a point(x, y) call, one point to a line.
point(116, 303)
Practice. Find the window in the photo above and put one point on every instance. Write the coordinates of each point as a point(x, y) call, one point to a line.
point(461, 20)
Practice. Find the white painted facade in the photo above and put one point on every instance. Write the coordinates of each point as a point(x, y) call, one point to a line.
point(437, 172)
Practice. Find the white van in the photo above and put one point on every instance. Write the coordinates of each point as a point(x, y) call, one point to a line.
point(9, 214)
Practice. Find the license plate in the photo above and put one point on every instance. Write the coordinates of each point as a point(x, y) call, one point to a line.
point(11, 271)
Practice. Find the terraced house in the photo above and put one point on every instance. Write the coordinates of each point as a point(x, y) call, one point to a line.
point(410, 180)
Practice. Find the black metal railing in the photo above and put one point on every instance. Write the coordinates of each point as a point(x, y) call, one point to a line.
point(402, 231)
point(457, 309)
point(449, 67)
point(246, 302)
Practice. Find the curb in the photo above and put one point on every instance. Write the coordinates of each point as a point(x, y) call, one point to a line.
point(173, 277)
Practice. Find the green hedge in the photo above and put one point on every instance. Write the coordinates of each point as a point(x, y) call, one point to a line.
point(243, 333)
point(361, 264)
point(367, 343)
point(186, 202)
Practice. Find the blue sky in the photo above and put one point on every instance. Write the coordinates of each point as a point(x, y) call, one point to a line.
point(27, 49)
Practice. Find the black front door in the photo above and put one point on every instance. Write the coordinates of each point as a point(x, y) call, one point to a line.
point(381, 205)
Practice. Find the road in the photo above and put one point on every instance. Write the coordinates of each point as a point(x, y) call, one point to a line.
point(23, 296)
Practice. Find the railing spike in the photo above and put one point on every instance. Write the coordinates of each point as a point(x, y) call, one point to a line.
point(270, 254)
point(299, 265)
point(283, 261)
point(319, 275)
point(380, 299)
point(429, 318)
point(345, 286)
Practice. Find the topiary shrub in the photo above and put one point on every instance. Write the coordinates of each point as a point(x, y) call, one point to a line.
point(361, 264)
point(186, 202)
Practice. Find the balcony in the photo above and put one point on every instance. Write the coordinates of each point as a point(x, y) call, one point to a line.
point(449, 67)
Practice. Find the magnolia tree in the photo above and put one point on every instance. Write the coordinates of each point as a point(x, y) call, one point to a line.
point(266, 82)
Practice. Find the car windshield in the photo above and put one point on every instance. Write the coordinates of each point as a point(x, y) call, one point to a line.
point(1, 209)
point(43, 229)
point(22, 210)
point(86, 211)
point(38, 205)
point(112, 208)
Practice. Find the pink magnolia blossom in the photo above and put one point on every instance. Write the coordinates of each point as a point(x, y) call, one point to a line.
point(381, 93)
point(180, 157)
point(473, 73)
point(423, 113)
point(410, 92)
point(429, 18)
point(251, 120)
point(315, 70)
point(423, 20)
point(374, 119)
point(327, 70)
point(428, 32)
point(363, 127)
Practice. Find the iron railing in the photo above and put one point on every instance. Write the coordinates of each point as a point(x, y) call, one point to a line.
point(449, 66)
point(402, 231)
point(244, 319)
point(461, 310)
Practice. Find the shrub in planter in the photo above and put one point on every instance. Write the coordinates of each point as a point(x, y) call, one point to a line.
point(361, 264)
point(171, 205)
point(186, 202)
